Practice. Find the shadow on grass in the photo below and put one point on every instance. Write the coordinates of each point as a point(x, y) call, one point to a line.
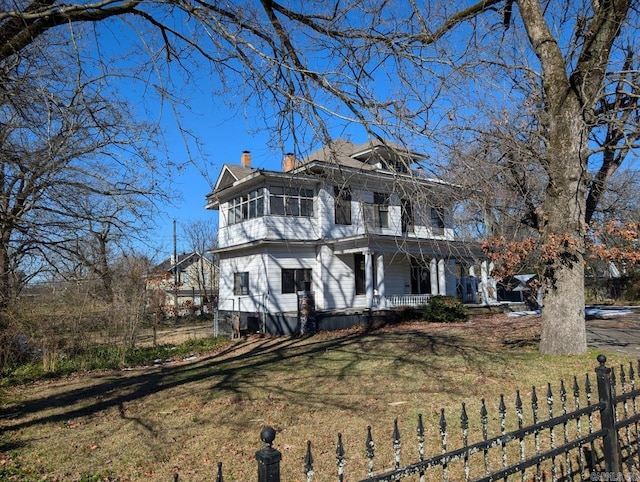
point(291, 367)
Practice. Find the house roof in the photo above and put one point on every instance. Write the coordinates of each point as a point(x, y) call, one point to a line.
point(341, 153)
point(361, 156)
point(168, 264)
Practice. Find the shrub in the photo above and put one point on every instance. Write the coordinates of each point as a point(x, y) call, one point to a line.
point(444, 309)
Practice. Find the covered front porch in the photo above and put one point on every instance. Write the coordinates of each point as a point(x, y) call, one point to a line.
point(389, 275)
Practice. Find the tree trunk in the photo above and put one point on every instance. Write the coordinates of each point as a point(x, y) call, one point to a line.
point(5, 271)
point(563, 322)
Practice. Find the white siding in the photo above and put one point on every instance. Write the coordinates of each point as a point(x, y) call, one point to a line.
point(255, 265)
point(339, 282)
point(397, 276)
point(294, 228)
point(293, 257)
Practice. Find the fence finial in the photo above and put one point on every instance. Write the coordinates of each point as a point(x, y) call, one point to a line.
point(268, 458)
point(601, 359)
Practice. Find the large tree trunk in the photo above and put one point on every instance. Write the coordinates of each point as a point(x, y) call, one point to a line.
point(562, 223)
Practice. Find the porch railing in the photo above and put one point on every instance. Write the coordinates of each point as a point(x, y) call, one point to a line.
point(393, 301)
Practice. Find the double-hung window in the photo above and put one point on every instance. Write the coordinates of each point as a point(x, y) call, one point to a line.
point(342, 205)
point(294, 280)
point(241, 283)
point(437, 220)
point(381, 202)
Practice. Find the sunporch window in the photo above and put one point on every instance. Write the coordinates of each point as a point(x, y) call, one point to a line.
point(247, 206)
point(291, 201)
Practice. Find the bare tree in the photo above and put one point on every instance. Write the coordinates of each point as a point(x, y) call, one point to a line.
point(202, 237)
point(432, 72)
point(74, 168)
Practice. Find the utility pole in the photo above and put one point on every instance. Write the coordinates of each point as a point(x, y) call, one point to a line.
point(175, 269)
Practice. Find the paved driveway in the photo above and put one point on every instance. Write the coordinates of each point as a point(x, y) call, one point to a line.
point(615, 330)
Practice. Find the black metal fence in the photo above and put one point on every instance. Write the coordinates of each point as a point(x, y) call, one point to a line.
point(586, 436)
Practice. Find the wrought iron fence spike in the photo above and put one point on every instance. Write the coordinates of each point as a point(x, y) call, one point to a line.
point(340, 458)
point(370, 448)
point(219, 476)
point(519, 411)
point(420, 433)
point(396, 443)
point(420, 427)
point(396, 431)
point(339, 446)
point(483, 410)
point(614, 382)
point(502, 408)
point(308, 460)
point(464, 418)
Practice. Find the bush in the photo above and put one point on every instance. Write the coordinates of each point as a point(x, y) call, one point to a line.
point(444, 309)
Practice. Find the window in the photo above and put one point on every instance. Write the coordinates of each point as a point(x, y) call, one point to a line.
point(406, 216)
point(241, 283)
point(420, 277)
point(294, 280)
point(247, 206)
point(381, 202)
point(359, 272)
point(342, 205)
point(437, 220)
point(291, 201)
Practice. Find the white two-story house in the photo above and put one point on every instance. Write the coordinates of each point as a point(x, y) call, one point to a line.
point(358, 226)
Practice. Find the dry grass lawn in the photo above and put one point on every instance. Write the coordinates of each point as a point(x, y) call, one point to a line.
point(149, 423)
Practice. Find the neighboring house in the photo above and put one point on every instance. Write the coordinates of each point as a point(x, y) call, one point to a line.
point(357, 226)
point(184, 286)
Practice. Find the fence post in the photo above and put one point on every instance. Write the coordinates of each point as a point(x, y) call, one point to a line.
point(608, 419)
point(268, 458)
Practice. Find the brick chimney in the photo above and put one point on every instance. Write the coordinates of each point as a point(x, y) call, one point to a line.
point(289, 162)
point(245, 159)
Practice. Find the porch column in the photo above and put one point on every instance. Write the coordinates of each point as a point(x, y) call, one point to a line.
point(484, 278)
point(380, 275)
point(368, 278)
point(442, 279)
point(452, 279)
point(433, 275)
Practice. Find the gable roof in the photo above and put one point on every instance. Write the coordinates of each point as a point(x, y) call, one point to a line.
point(232, 173)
